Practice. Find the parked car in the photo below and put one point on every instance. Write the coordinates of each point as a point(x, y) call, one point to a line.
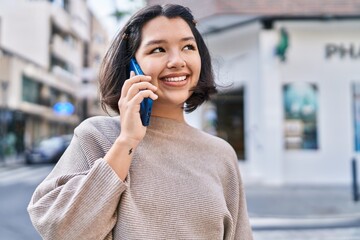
point(48, 150)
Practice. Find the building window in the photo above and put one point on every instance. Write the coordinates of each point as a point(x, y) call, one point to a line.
point(356, 102)
point(300, 123)
point(61, 3)
point(31, 90)
point(54, 96)
point(230, 123)
point(57, 62)
point(65, 37)
point(70, 41)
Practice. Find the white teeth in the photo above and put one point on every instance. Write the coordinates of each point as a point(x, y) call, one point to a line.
point(175, 79)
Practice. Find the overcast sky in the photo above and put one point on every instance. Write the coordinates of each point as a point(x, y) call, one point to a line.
point(104, 8)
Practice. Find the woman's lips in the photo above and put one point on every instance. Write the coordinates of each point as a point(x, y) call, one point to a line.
point(175, 81)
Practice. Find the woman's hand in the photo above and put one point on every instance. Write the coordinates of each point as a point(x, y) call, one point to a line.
point(133, 92)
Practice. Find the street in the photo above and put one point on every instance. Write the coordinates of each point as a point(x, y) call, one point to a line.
point(295, 212)
point(17, 183)
point(310, 234)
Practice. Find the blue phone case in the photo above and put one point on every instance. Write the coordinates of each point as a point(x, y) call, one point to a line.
point(146, 104)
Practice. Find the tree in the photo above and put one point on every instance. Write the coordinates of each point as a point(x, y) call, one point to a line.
point(119, 14)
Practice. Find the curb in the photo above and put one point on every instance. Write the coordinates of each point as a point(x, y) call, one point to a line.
point(272, 223)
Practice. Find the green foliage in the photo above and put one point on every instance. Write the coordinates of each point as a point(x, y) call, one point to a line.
point(120, 14)
point(283, 45)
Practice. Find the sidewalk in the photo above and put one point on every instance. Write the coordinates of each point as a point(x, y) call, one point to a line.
point(301, 207)
point(12, 160)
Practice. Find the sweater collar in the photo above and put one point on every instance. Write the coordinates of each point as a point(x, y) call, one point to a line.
point(167, 125)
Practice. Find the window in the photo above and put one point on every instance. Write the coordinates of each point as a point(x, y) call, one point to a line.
point(356, 101)
point(38, 93)
point(57, 62)
point(61, 3)
point(70, 41)
point(54, 96)
point(300, 123)
point(230, 120)
point(31, 90)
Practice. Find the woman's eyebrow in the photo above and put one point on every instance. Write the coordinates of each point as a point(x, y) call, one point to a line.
point(191, 38)
point(154, 42)
point(157, 42)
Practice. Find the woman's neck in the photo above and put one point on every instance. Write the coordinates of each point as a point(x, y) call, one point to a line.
point(168, 111)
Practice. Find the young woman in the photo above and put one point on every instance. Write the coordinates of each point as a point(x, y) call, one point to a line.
point(121, 180)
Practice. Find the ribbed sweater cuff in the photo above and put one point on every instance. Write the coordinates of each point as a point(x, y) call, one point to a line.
point(107, 180)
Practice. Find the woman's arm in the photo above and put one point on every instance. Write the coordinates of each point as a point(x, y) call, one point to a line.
point(133, 92)
point(79, 198)
point(236, 202)
point(243, 229)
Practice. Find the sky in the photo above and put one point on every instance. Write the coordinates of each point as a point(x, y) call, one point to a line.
point(104, 8)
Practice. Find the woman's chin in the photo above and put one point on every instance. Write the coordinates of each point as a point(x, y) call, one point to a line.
point(170, 102)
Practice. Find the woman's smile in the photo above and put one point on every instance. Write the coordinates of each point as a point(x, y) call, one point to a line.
point(175, 80)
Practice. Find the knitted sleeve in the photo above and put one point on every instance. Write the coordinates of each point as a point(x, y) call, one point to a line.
point(243, 229)
point(235, 198)
point(79, 198)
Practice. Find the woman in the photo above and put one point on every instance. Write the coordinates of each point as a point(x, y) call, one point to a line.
point(121, 180)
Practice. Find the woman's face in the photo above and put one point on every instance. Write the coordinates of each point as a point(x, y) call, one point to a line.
point(169, 54)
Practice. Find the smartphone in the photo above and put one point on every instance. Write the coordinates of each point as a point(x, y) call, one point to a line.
point(146, 104)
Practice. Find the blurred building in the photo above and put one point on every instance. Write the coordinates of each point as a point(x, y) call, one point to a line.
point(290, 86)
point(50, 53)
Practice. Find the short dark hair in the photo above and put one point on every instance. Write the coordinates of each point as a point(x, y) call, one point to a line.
point(115, 65)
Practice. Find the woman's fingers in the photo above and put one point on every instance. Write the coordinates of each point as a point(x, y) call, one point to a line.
point(134, 90)
point(145, 94)
point(132, 80)
point(138, 87)
point(139, 97)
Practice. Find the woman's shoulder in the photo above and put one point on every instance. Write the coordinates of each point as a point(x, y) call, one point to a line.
point(219, 153)
point(211, 139)
point(213, 142)
point(104, 125)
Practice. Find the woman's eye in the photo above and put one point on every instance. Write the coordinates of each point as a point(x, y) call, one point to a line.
point(157, 50)
point(189, 47)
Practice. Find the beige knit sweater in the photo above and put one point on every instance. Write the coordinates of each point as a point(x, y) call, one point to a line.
point(182, 184)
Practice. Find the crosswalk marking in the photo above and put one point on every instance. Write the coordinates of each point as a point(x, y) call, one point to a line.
point(23, 174)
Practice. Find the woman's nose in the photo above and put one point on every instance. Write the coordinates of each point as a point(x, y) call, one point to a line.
point(176, 60)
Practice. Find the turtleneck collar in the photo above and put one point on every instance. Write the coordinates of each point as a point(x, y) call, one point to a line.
point(167, 125)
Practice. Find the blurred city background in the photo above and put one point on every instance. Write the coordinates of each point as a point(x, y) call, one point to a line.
point(288, 102)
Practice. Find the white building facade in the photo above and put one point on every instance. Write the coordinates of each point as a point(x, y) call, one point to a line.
point(298, 121)
point(45, 46)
